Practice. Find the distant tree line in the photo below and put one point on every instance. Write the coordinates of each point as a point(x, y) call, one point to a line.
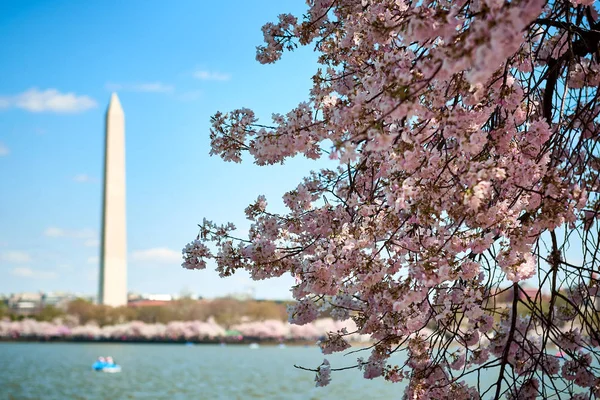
point(225, 311)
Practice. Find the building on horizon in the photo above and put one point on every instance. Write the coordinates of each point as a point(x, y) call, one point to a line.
point(30, 303)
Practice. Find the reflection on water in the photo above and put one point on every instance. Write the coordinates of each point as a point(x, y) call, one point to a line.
point(155, 371)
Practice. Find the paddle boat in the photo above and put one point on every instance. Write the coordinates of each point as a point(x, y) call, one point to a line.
point(106, 365)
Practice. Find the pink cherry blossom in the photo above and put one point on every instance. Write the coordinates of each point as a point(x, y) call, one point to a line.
point(323, 374)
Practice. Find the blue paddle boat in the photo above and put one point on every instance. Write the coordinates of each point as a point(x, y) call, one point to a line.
point(106, 365)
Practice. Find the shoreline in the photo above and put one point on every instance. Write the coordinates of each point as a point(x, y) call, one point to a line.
point(179, 341)
point(267, 342)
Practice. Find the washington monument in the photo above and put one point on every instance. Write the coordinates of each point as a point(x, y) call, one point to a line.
point(113, 251)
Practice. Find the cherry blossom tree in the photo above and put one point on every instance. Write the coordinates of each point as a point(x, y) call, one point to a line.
point(190, 330)
point(466, 136)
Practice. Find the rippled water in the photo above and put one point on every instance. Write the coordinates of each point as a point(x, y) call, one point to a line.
point(170, 371)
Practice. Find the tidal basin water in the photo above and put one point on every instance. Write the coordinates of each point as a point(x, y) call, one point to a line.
point(171, 371)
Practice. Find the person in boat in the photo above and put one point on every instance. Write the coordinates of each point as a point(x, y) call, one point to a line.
point(100, 363)
point(110, 362)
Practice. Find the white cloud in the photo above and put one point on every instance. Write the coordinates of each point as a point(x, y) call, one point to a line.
point(91, 275)
point(191, 95)
point(83, 178)
point(93, 260)
point(25, 272)
point(15, 257)
point(50, 100)
point(205, 75)
point(91, 243)
point(54, 232)
point(4, 151)
point(157, 255)
point(76, 234)
point(145, 87)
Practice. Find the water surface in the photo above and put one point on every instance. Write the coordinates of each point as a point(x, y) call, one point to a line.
point(170, 371)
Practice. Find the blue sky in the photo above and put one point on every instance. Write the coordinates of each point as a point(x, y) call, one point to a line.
point(173, 65)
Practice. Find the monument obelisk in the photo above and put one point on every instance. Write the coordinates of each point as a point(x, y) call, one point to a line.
point(113, 251)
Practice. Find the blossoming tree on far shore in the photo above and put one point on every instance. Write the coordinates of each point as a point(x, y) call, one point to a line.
point(467, 139)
